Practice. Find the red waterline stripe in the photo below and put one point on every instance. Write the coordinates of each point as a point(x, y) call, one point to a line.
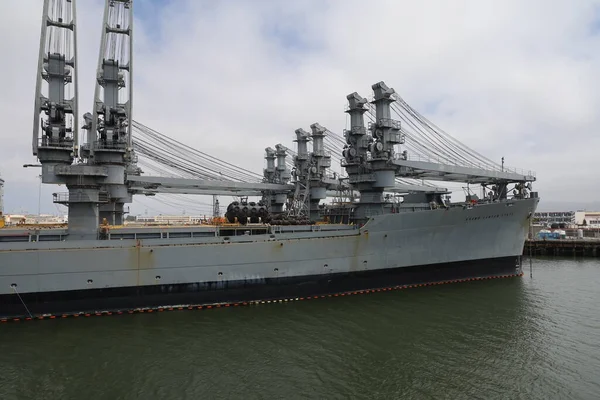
point(249, 303)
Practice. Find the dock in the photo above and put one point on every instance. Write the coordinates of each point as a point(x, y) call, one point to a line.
point(584, 247)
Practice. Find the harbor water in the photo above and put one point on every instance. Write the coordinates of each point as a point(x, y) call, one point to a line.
point(521, 338)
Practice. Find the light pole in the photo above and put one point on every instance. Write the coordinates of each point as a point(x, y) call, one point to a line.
point(39, 186)
point(40, 195)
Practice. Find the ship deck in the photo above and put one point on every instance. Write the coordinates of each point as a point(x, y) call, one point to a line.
point(40, 233)
point(194, 233)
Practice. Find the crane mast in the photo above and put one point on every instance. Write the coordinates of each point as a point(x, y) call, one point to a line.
point(55, 133)
point(109, 141)
point(97, 186)
point(111, 122)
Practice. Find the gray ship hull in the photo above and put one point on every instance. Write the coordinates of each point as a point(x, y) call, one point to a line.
point(402, 248)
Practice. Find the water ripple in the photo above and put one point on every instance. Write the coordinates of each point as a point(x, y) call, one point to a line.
point(529, 338)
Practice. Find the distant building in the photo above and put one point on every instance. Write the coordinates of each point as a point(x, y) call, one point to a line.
point(30, 219)
point(591, 218)
point(569, 218)
point(554, 217)
point(144, 219)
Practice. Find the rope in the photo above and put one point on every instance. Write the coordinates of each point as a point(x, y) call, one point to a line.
point(24, 305)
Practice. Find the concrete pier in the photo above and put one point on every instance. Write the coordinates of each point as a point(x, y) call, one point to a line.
point(562, 247)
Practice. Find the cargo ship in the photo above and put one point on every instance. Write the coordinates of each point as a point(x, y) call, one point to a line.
point(387, 229)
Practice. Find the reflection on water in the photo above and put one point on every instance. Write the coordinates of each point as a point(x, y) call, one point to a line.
point(509, 338)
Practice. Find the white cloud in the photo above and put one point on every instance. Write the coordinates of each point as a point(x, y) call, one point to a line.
point(514, 79)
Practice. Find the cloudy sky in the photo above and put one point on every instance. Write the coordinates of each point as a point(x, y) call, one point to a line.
point(510, 78)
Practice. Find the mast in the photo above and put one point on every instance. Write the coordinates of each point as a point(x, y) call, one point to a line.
point(97, 184)
point(109, 141)
point(55, 129)
point(111, 120)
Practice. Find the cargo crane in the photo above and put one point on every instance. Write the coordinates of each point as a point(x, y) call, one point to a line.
point(96, 184)
point(310, 173)
point(372, 163)
point(370, 152)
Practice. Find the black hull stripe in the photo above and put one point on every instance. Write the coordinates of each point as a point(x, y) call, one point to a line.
point(215, 294)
